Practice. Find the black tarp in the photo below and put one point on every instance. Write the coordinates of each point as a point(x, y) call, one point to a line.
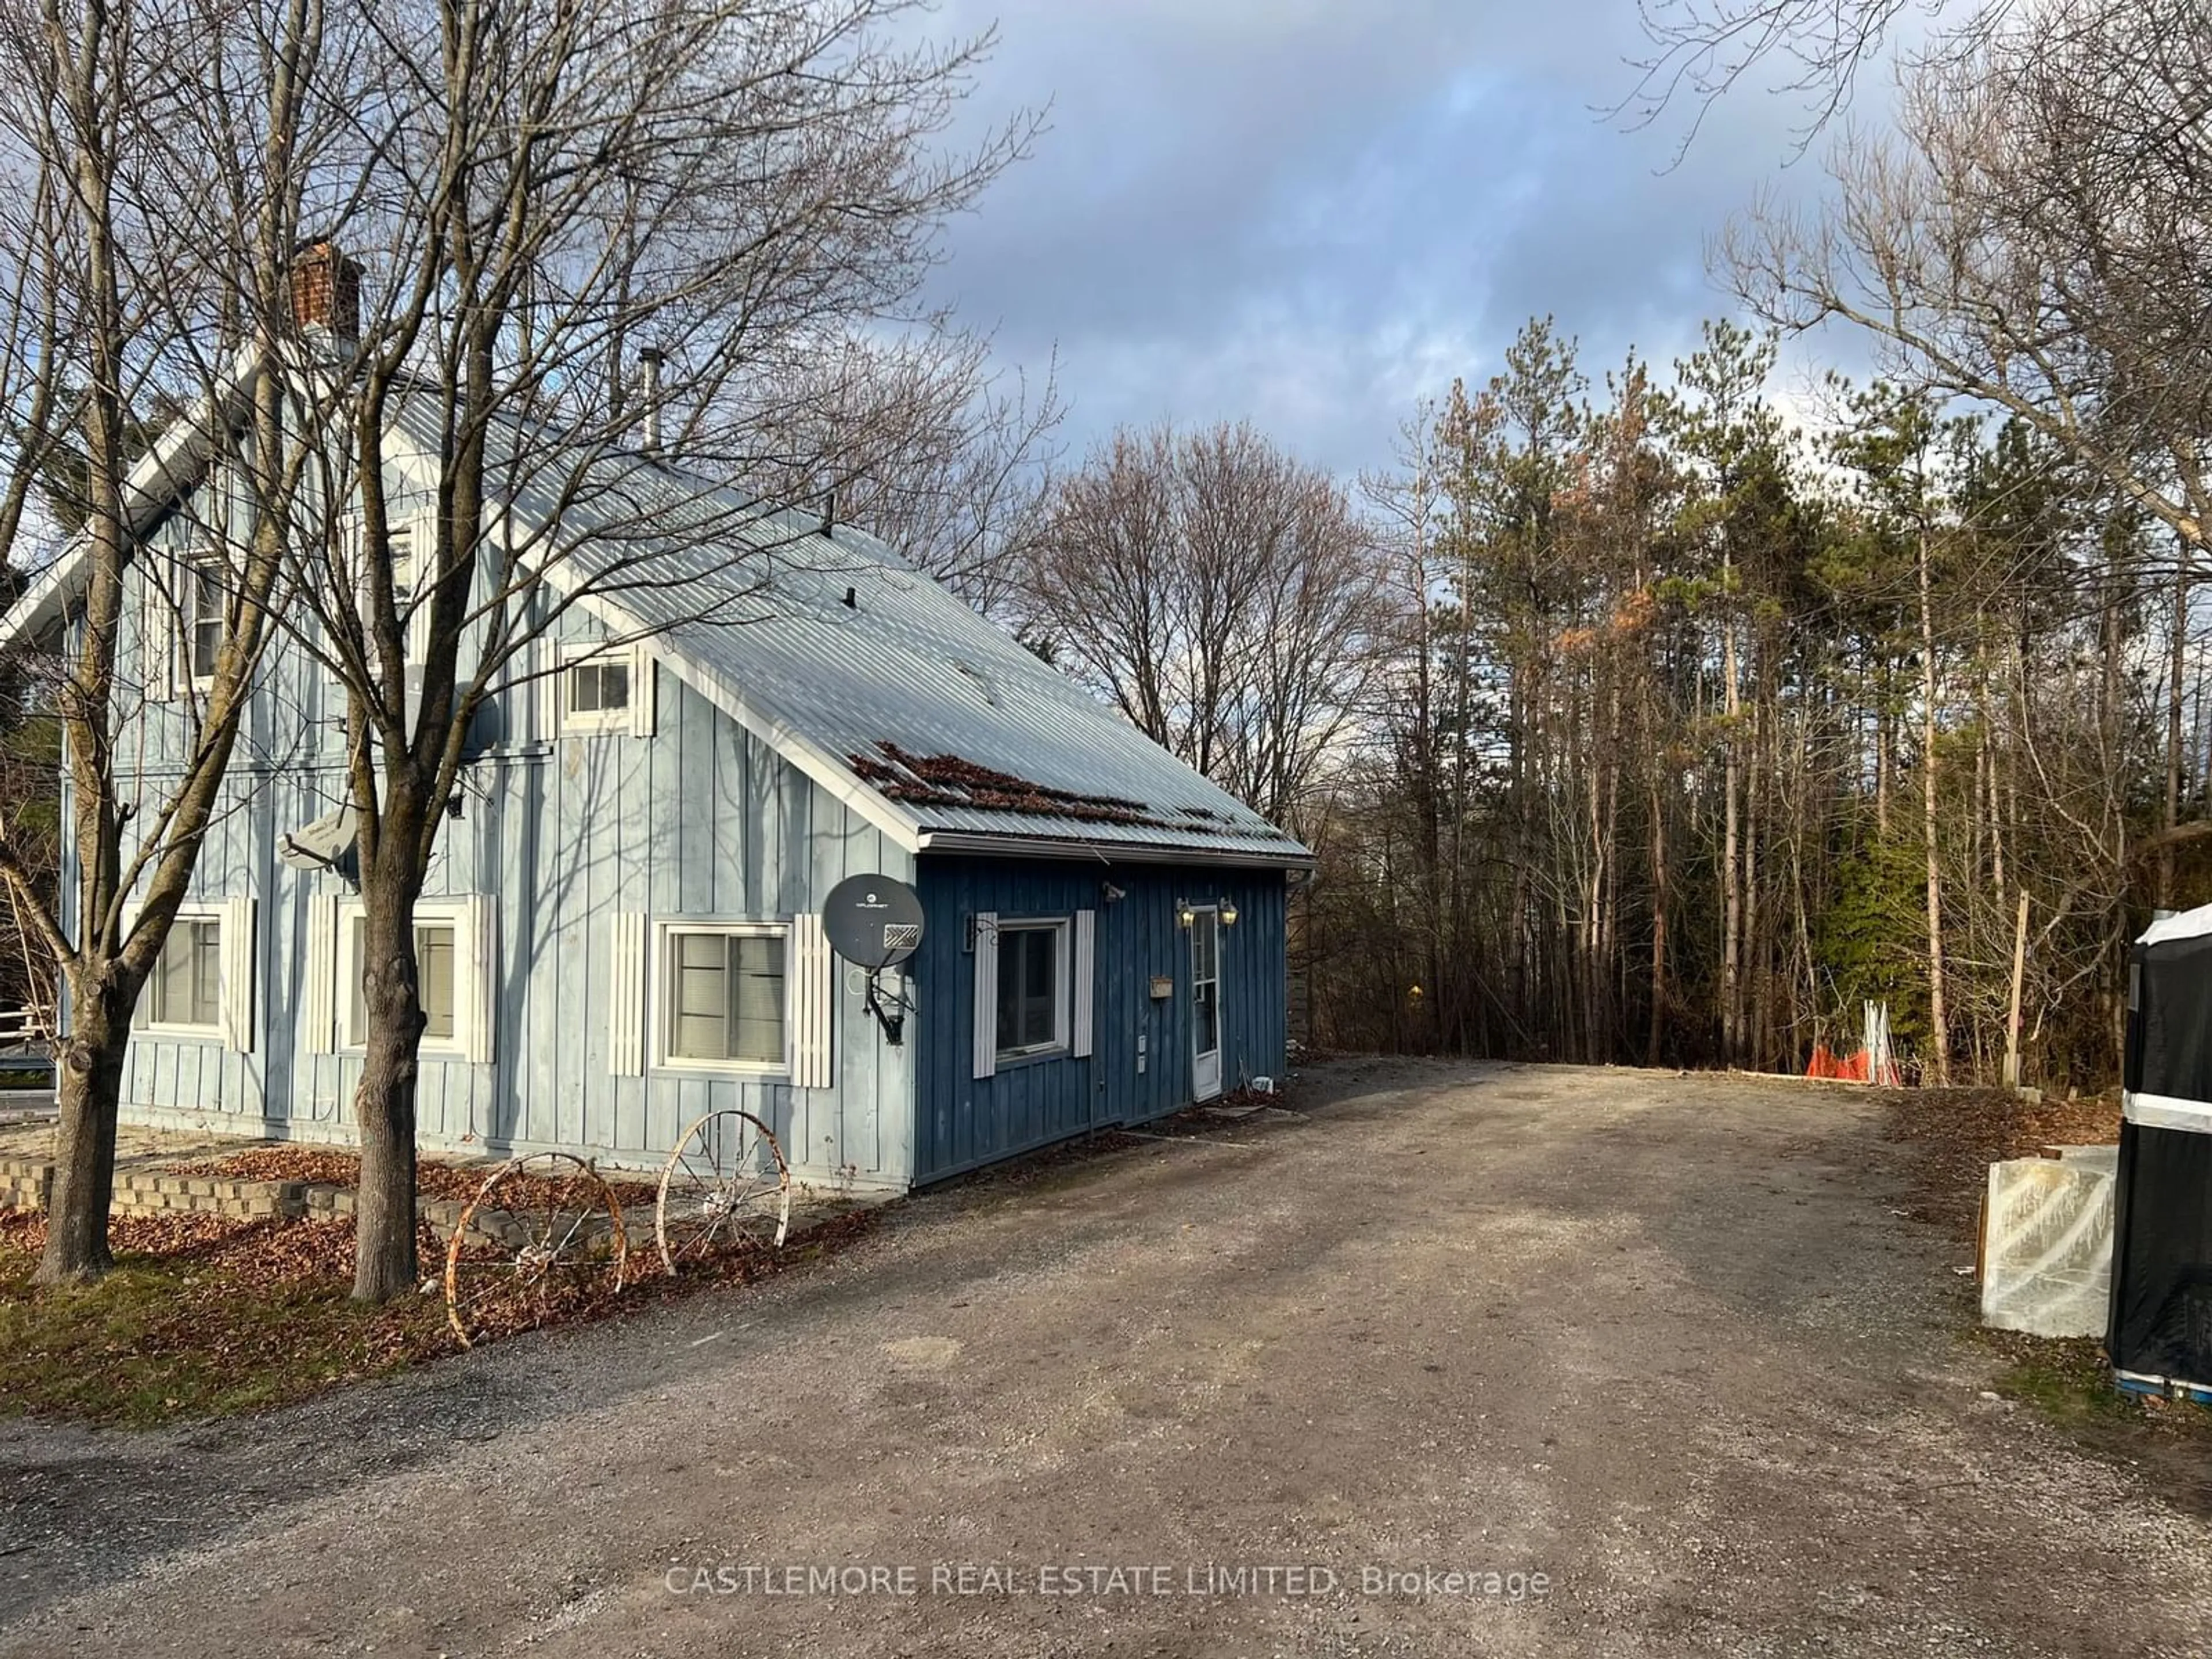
point(2170, 1018)
point(2160, 1325)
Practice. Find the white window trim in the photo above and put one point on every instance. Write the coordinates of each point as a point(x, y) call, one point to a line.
point(437, 913)
point(219, 915)
point(595, 722)
point(201, 554)
point(659, 1006)
point(421, 531)
point(1063, 928)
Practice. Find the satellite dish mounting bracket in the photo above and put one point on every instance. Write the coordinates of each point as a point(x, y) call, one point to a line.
point(891, 1016)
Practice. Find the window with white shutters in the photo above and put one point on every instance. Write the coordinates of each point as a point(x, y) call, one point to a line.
point(202, 984)
point(723, 996)
point(1030, 1004)
point(454, 977)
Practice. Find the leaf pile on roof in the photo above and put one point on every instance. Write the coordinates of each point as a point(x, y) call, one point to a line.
point(953, 780)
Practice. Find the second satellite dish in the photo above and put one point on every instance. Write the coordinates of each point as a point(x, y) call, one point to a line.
point(872, 921)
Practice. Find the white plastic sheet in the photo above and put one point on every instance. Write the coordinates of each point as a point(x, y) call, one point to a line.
point(2047, 1246)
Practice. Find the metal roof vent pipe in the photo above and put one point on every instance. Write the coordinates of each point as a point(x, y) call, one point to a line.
point(650, 360)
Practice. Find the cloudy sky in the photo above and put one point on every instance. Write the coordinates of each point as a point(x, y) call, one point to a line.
point(1313, 213)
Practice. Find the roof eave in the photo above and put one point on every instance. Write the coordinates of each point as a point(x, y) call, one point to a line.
point(1011, 845)
point(169, 467)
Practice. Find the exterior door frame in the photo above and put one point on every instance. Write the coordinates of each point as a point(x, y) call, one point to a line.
point(1205, 1064)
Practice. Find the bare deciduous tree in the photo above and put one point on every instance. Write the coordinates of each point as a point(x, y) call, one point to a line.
point(919, 441)
point(597, 247)
point(116, 320)
point(2033, 237)
point(1815, 51)
point(1222, 595)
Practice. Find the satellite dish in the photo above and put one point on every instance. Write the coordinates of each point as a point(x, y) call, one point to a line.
point(325, 844)
point(874, 922)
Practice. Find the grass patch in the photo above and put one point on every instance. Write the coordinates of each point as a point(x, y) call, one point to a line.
point(2066, 1383)
point(196, 1322)
point(208, 1315)
point(38, 1078)
point(2066, 1379)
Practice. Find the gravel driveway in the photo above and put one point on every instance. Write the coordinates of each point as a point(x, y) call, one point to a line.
point(1650, 1364)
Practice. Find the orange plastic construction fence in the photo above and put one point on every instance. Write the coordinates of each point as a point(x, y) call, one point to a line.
point(1826, 1064)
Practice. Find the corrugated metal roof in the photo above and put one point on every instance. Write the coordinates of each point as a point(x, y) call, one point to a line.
point(893, 701)
point(945, 720)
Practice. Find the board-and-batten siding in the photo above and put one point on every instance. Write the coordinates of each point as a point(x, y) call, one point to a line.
point(962, 1121)
point(567, 834)
point(572, 835)
point(700, 820)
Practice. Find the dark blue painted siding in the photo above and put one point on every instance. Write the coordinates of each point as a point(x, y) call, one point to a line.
point(961, 1121)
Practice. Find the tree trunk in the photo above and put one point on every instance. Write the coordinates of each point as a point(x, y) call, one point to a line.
point(1751, 969)
point(1731, 886)
point(1881, 761)
point(2012, 1015)
point(1658, 921)
point(1940, 1030)
point(90, 1084)
point(2177, 668)
point(385, 1263)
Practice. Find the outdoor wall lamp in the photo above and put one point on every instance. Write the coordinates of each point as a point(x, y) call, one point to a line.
point(1184, 914)
point(1110, 893)
point(1228, 912)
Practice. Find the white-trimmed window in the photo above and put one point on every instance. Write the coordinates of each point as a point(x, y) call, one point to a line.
point(447, 974)
point(201, 984)
point(408, 535)
point(186, 992)
point(400, 538)
point(723, 996)
point(204, 619)
point(601, 690)
point(409, 539)
point(1032, 1001)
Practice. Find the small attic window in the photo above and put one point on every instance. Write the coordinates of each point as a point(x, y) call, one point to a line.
point(204, 619)
point(400, 537)
point(597, 691)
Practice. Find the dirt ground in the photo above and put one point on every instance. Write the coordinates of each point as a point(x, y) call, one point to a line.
point(1654, 1364)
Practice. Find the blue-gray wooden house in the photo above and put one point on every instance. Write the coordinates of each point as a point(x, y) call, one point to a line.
point(623, 928)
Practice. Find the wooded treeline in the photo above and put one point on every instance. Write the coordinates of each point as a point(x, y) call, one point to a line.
point(1661, 726)
point(1698, 731)
point(1659, 729)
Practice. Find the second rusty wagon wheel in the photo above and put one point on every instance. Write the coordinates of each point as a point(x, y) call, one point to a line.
point(543, 1236)
point(726, 1183)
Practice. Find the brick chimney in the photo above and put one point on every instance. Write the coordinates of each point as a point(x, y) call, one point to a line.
point(325, 289)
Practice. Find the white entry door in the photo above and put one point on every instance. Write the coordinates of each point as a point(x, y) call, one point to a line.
point(1205, 1005)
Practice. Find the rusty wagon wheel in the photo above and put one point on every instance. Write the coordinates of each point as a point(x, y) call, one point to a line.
point(542, 1235)
point(726, 1184)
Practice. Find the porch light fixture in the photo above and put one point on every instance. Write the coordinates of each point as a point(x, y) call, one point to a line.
point(1228, 908)
point(1184, 914)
